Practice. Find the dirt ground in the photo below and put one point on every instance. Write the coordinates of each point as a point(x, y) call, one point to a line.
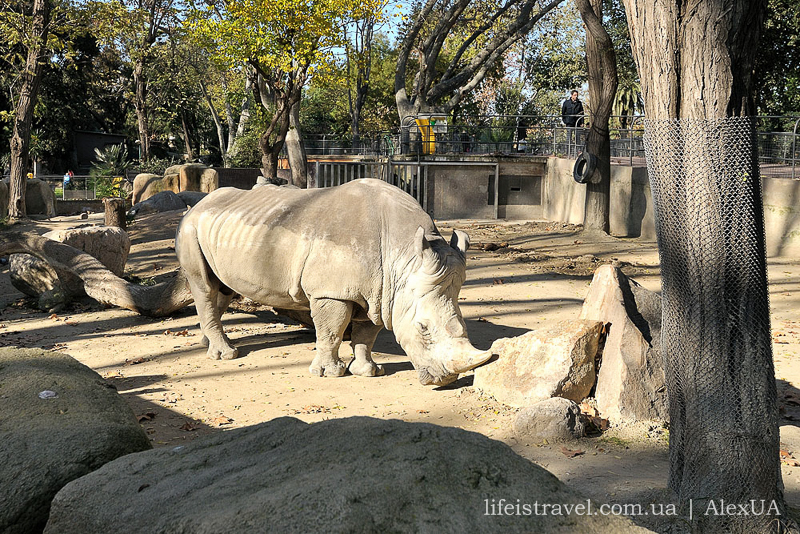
point(538, 277)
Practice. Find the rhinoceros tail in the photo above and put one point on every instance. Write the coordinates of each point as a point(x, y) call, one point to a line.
point(191, 257)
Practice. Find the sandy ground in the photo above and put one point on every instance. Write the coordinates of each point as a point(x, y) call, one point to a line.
point(540, 278)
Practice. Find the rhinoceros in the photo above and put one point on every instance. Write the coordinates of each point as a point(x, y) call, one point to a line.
point(363, 253)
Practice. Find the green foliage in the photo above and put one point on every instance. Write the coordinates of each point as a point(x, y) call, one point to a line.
point(555, 58)
point(109, 170)
point(247, 153)
point(777, 69)
point(324, 108)
point(155, 165)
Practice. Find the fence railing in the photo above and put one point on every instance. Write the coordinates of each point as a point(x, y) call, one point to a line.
point(80, 187)
point(382, 143)
point(543, 135)
point(546, 135)
point(410, 176)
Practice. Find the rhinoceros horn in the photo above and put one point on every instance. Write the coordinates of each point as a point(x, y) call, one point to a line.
point(469, 359)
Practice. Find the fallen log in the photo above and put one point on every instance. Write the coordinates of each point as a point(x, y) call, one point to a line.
point(99, 283)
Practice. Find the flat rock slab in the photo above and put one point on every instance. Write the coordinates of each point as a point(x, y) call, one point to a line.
point(554, 362)
point(59, 420)
point(355, 474)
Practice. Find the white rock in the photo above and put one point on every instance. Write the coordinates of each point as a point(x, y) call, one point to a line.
point(557, 362)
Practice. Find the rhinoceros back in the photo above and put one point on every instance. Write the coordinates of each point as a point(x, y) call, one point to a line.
point(282, 246)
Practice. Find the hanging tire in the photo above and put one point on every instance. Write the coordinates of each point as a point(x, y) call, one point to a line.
point(584, 167)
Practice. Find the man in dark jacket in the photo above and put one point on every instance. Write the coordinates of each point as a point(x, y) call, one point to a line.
point(572, 111)
point(572, 116)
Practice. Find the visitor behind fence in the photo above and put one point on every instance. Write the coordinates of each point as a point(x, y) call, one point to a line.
point(572, 111)
point(572, 117)
point(68, 181)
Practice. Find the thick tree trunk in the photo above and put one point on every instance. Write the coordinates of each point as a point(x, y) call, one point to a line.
point(100, 283)
point(695, 63)
point(602, 63)
point(270, 153)
point(23, 117)
point(296, 149)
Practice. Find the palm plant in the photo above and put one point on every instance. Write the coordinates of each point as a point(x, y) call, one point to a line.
point(108, 170)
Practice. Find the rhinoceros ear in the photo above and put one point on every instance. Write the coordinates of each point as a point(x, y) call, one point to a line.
point(420, 243)
point(460, 241)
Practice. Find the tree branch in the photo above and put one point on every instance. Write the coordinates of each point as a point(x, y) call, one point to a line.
point(98, 282)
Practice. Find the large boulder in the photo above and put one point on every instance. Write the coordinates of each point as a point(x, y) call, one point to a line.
point(146, 185)
point(631, 382)
point(59, 420)
point(554, 419)
point(194, 177)
point(34, 277)
point(178, 178)
point(163, 201)
point(356, 474)
point(556, 362)
point(190, 198)
point(39, 198)
point(3, 200)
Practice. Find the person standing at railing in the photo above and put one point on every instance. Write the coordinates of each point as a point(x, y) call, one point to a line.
point(572, 117)
point(67, 182)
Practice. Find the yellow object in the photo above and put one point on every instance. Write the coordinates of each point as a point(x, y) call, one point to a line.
point(428, 137)
point(30, 176)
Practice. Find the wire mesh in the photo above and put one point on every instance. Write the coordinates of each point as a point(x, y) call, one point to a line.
point(716, 342)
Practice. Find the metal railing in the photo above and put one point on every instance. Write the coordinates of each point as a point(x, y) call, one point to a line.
point(410, 176)
point(80, 187)
point(546, 135)
point(381, 143)
point(542, 135)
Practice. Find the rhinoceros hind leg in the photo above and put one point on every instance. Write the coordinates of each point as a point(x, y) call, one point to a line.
point(331, 317)
point(363, 338)
point(211, 297)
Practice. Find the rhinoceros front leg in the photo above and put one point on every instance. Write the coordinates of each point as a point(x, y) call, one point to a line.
point(362, 340)
point(330, 317)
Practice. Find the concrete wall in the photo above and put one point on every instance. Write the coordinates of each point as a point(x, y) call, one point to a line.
point(632, 212)
point(782, 216)
point(467, 191)
point(631, 207)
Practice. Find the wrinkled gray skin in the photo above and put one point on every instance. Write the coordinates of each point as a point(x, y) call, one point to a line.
point(363, 252)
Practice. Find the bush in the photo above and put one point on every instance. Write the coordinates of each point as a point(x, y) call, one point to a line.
point(245, 151)
point(156, 165)
point(108, 171)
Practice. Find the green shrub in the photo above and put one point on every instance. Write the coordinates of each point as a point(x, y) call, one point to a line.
point(108, 171)
point(156, 165)
point(246, 153)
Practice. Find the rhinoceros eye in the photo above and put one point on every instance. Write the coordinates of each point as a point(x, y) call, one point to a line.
point(422, 328)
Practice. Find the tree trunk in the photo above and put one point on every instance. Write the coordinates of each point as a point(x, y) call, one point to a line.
point(115, 212)
point(602, 70)
point(23, 117)
point(695, 63)
point(100, 283)
point(269, 156)
point(223, 146)
point(187, 139)
point(140, 104)
point(296, 150)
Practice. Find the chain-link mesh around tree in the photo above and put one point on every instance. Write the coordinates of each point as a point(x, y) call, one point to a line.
point(716, 342)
